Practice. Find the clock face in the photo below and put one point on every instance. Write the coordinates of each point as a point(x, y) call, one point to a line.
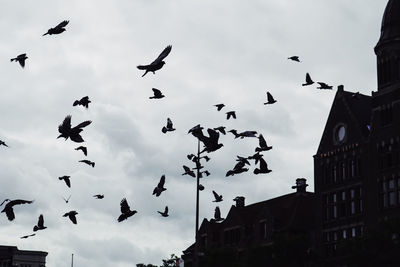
point(341, 133)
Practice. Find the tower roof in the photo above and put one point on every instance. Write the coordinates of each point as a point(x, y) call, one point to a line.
point(390, 29)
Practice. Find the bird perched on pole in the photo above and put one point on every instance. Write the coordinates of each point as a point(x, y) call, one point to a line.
point(57, 29)
point(157, 64)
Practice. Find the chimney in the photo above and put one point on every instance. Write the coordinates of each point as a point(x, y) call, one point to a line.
point(340, 88)
point(300, 185)
point(239, 202)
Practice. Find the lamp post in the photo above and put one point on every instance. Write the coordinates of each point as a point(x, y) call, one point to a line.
point(196, 246)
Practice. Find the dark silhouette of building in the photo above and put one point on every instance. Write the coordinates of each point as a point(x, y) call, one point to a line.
point(11, 256)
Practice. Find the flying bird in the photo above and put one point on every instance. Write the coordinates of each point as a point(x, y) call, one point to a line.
point(84, 101)
point(270, 99)
point(165, 212)
point(26, 236)
point(221, 129)
point(83, 149)
point(323, 85)
point(257, 156)
point(160, 187)
point(169, 127)
point(2, 143)
point(126, 211)
point(99, 196)
point(242, 160)
point(294, 58)
point(188, 171)
point(72, 216)
point(21, 59)
point(230, 114)
point(243, 134)
point(217, 215)
point(66, 131)
point(262, 144)
point(157, 94)
point(217, 198)
point(196, 130)
point(211, 142)
point(219, 106)
point(309, 81)
point(156, 64)
point(239, 168)
point(88, 162)
point(8, 208)
point(66, 180)
point(263, 167)
point(57, 29)
point(66, 199)
point(40, 224)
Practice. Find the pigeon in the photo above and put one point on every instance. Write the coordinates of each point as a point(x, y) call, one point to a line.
point(157, 94)
point(40, 224)
point(169, 127)
point(201, 187)
point(211, 142)
point(67, 199)
point(66, 180)
point(309, 81)
point(294, 58)
point(99, 196)
point(219, 106)
point(26, 236)
point(257, 156)
point(88, 162)
point(188, 171)
point(160, 187)
point(217, 215)
point(126, 211)
point(243, 134)
point(165, 213)
point(84, 101)
point(263, 167)
point(2, 143)
point(218, 198)
point(57, 29)
point(196, 130)
point(221, 129)
point(262, 144)
point(8, 209)
point(270, 99)
point(230, 114)
point(66, 131)
point(324, 86)
point(83, 149)
point(72, 216)
point(21, 59)
point(156, 64)
point(242, 160)
point(239, 168)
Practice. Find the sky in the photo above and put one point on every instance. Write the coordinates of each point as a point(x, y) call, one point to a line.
point(229, 52)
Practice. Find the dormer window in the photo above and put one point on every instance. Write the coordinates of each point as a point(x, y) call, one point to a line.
point(339, 133)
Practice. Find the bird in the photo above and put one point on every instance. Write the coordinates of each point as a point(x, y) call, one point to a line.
point(230, 114)
point(126, 211)
point(66, 199)
point(88, 162)
point(242, 160)
point(158, 63)
point(165, 212)
point(40, 224)
point(239, 168)
point(66, 131)
point(66, 180)
point(243, 134)
point(323, 85)
point(57, 29)
point(309, 81)
point(21, 59)
point(263, 167)
point(219, 106)
point(294, 58)
point(83, 149)
point(84, 101)
point(257, 156)
point(211, 142)
point(160, 187)
point(217, 215)
point(218, 198)
point(8, 208)
point(26, 236)
point(2, 143)
point(262, 144)
point(188, 171)
point(195, 130)
point(270, 99)
point(157, 94)
point(72, 216)
point(169, 127)
point(221, 129)
point(201, 187)
point(98, 196)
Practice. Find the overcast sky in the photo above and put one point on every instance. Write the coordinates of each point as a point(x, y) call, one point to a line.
point(229, 52)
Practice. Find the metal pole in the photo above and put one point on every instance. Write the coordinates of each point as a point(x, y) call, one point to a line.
point(72, 260)
point(196, 246)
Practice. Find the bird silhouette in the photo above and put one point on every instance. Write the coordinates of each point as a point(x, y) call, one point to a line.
point(219, 106)
point(230, 114)
point(309, 81)
point(26, 236)
point(98, 196)
point(66, 179)
point(242, 160)
point(217, 215)
point(220, 129)
point(196, 130)
point(126, 211)
point(157, 94)
point(2, 143)
point(72, 216)
point(239, 168)
point(160, 187)
point(169, 127)
point(243, 134)
point(323, 85)
point(66, 199)
point(294, 58)
point(83, 149)
point(201, 187)
point(21, 59)
point(40, 224)
point(188, 171)
point(217, 198)
point(8, 208)
point(165, 212)
point(84, 101)
point(156, 64)
point(211, 142)
point(88, 162)
point(66, 131)
point(57, 29)
point(257, 156)
point(270, 99)
point(263, 167)
point(262, 144)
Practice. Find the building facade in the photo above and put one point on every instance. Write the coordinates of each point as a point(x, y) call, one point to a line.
point(11, 256)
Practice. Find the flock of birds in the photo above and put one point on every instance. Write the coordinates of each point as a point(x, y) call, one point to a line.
point(210, 143)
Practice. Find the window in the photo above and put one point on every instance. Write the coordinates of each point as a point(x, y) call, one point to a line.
point(263, 230)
